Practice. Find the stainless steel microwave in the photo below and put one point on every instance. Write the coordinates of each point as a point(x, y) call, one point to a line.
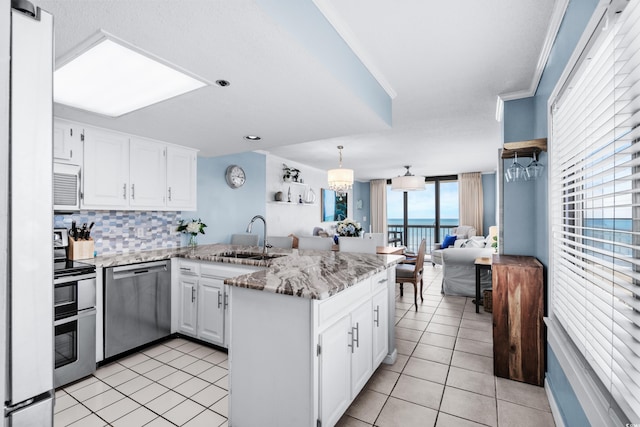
point(66, 187)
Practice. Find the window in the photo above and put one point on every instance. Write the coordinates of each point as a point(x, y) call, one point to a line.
point(595, 209)
point(428, 214)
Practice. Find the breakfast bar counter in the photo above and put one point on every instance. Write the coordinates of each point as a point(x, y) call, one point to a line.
point(304, 273)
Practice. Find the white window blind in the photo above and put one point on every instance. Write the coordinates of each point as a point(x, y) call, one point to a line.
point(595, 208)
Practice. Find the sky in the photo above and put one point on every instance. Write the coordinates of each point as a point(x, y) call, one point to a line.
point(422, 203)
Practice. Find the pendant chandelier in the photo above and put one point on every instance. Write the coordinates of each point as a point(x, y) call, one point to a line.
point(340, 180)
point(407, 182)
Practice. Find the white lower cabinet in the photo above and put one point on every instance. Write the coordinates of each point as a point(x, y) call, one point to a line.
point(335, 370)
point(305, 360)
point(202, 311)
point(345, 361)
point(380, 346)
point(188, 287)
point(211, 310)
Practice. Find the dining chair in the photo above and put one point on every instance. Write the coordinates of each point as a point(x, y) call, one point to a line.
point(412, 273)
point(285, 242)
point(356, 244)
point(378, 237)
point(245, 239)
point(319, 243)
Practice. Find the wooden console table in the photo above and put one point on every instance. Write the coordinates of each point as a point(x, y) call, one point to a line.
point(518, 310)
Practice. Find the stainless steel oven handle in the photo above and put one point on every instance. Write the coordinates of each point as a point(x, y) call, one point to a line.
point(80, 315)
point(69, 279)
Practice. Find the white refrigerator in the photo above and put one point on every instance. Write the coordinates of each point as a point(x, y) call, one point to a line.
point(27, 341)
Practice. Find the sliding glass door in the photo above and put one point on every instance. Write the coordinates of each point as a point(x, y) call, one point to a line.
point(416, 215)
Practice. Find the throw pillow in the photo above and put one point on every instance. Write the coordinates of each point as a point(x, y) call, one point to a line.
point(448, 241)
point(474, 243)
point(460, 243)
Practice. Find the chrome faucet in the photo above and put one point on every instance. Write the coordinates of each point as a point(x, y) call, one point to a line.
point(264, 241)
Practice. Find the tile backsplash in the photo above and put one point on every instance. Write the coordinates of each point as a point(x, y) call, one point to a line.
point(121, 232)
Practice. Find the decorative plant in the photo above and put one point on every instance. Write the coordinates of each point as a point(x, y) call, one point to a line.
point(192, 227)
point(286, 172)
point(494, 244)
point(349, 228)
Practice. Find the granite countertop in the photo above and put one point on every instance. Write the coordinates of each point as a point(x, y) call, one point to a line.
point(303, 273)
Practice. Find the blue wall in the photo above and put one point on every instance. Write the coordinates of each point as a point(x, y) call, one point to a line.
point(570, 409)
point(488, 202)
point(526, 228)
point(226, 210)
point(362, 191)
point(310, 27)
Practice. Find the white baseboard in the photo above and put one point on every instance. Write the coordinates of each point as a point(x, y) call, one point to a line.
point(555, 409)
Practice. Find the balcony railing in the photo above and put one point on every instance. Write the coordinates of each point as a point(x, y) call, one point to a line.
point(415, 234)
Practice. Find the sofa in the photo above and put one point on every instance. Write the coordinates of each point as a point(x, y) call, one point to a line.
point(459, 271)
point(461, 233)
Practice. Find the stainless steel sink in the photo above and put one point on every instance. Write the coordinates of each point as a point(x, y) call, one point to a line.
point(250, 255)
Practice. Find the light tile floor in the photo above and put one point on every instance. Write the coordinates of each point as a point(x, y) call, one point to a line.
point(443, 377)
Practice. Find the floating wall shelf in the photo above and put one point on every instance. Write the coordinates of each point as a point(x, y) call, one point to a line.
point(524, 148)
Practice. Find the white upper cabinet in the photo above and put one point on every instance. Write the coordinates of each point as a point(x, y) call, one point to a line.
point(106, 169)
point(125, 172)
point(67, 142)
point(147, 174)
point(181, 178)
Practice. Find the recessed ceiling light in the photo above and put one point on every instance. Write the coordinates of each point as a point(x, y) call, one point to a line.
point(108, 76)
point(223, 83)
point(252, 138)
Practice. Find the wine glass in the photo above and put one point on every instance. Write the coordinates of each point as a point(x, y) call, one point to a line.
point(516, 172)
point(534, 170)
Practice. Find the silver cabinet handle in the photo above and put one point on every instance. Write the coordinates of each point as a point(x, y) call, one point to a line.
point(351, 336)
point(383, 280)
point(169, 193)
point(219, 299)
point(226, 300)
point(124, 191)
point(357, 339)
point(377, 319)
point(133, 191)
point(193, 294)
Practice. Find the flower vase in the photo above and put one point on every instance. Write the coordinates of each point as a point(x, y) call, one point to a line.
point(193, 240)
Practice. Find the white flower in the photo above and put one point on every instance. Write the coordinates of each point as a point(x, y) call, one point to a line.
point(193, 227)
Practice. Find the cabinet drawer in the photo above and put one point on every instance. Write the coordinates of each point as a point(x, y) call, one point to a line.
point(333, 308)
point(189, 268)
point(379, 281)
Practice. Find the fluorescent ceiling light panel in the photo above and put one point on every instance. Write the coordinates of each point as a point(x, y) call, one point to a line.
point(112, 79)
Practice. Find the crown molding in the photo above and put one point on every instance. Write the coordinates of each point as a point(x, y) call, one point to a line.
point(557, 15)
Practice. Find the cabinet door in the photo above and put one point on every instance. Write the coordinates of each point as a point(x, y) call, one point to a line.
point(380, 326)
point(147, 173)
point(335, 371)
point(211, 310)
point(361, 359)
point(67, 142)
point(106, 169)
point(181, 178)
point(188, 310)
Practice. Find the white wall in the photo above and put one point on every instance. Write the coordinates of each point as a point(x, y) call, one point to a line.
point(293, 218)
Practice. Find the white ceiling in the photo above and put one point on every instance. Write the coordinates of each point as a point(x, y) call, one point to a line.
point(445, 63)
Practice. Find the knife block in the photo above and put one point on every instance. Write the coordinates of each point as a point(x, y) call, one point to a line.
point(80, 249)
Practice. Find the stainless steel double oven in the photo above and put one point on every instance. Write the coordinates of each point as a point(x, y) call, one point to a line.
point(74, 316)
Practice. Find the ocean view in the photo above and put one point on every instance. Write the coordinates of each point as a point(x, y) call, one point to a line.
point(423, 221)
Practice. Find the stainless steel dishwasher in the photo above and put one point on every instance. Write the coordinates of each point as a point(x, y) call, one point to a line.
point(137, 305)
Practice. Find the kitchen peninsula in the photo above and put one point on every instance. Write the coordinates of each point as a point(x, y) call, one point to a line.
point(306, 330)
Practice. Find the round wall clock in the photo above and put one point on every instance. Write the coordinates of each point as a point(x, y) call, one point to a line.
point(235, 176)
